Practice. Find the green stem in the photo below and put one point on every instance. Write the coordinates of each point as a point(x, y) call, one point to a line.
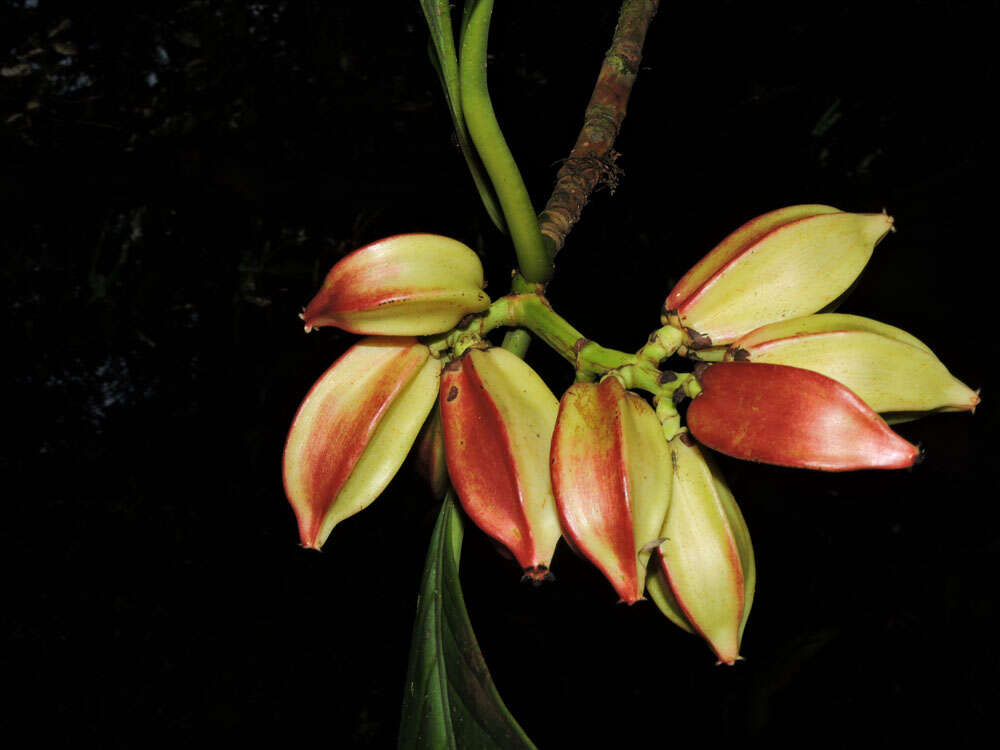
point(533, 257)
point(517, 342)
point(662, 343)
point(591, 360)
point(444, 58)
point(711, 354)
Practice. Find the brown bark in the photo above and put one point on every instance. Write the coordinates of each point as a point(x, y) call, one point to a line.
point(592, 160)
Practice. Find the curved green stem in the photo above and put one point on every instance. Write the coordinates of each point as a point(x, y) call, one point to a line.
point(670, 420)
point(444, 58)
point(533, 312)
point(533, 257)
point(662, 343)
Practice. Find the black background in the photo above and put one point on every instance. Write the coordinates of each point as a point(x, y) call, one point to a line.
point(160, 239)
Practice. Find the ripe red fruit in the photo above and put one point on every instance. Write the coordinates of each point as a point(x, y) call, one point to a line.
point(792, 417)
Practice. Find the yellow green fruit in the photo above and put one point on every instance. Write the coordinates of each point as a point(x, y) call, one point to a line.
point(886, 367)
point(707, 574)
point(784, 264)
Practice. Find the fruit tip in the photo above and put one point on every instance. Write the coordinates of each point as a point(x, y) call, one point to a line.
point(536, 575)
point(630, 601)
point(729, 662)
point(309, 537)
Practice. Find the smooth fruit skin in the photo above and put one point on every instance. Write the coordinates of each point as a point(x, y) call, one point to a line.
point(746, 236)
point(498, 416)
point(611, 473)
point(354, 430)
point(706, 575)
point(890, 370)
point(784, 264)
point(409, 285)
point(792, 417)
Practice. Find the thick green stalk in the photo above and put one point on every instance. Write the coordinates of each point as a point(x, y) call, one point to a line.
point(517, 342)
point(445, 61)
point(532, 312)
point(533, 257)
point(535, 314)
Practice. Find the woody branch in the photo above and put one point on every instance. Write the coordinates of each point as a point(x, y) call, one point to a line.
point(592, 160)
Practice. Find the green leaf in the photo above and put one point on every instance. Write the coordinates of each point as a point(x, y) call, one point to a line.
point(450, 699)
point(445, 62)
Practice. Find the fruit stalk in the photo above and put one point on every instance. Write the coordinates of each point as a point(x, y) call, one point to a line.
point(591, 360)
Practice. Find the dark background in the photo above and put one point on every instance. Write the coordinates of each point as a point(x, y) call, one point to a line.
point(175, 180)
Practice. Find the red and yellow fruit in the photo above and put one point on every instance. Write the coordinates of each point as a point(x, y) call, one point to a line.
point(354, 430)
point(498, 416)
point(611, 473)
point(407, 285)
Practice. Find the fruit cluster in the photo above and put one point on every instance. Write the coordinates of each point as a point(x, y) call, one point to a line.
point(616, 476)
